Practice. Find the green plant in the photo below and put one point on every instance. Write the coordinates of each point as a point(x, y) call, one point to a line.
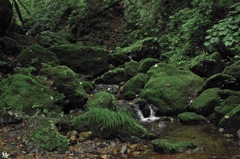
point(226, 31)
point(107, 121)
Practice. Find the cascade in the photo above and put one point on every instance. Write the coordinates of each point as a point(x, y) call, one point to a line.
point(151, 117)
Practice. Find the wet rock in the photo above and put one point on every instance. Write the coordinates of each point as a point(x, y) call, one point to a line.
point(170, 146)
point(205, 103)
point(231, 120)
point(146, 64)
point(114, 76)
point(35, 55)
point(66, 82)
point(220, 80)
point(148, 47)
point(191, 118)
point(9, 117)
point(83, 59)
point(206, 65)
point(131, 69)
point(169, 88)
point(111, 88)
point(26, 93)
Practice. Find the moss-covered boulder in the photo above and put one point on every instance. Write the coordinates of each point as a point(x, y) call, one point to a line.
point(205, 103)
point(233, 70)
point(220, 80)
point(35, 55)
point(82, 59)
point(106, 123)
point(206, 65)
point(146, 64)
point(169, 88)
point(10, 47)
point(191, 118)
point(114, 76)
point(46, 135)
point(171, 146)
point(101, 100)
point(135, 84)
point(66, 82)
point(26, 93)
point(87, 86)
point(148, 47)
point(231, 120)
point(131, 69)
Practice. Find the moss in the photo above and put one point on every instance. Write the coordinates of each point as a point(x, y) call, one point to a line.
point(87, 86)
point(135, 84)
point(10, 47)
point(35, 55)
point(171, 146)
point(206, 65)
point(232, 100)
point(231, 120)
point(205, 103)
point(233, 70)
point(101, 100)
point(147, 47)
point(114, 76)
point(191, 118)
point(106, 123)
point(220, 80)
point(129, 95)
point(82, 59)
point(146, 64)
point(46, 134)
point(131, 69)
point(169, 88)
point(26, 93)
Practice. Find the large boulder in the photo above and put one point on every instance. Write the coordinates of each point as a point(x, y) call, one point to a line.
point(114, 76)
point(233, 70)
point(191, 118)
point(35, 55)
point(135, 84)
point(148, 47)
point(146, 64)
point(206, 65)
point(170, 88)
point(83, 59)
point(131, 69)
point(231, 120)
point(66, 82)
point(6, 14)
point(26, 93)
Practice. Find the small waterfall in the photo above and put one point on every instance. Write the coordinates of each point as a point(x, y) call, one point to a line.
point(151, 118)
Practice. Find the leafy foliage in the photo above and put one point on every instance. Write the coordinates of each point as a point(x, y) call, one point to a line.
point(226, 31)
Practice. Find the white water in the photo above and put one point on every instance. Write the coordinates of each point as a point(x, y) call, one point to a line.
point(151, 118)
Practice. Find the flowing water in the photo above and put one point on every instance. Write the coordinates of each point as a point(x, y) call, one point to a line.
point(211, 143)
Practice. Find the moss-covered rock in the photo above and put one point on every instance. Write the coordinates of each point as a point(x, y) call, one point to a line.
point(35, 55)
point(205, 103)
point(171, 146)
point(101, 100)
point(220, 80)
point(46, 135)
point(191, 118)
point(82, 59)
point(66, 82)
point(206, 65)
point(146, 64)
point(114, 76)
point(131, 69)
point(148, 47)
point(87, 86)
point(26, 93)
point(10, 46)
point(233, 70)
point(231, 120)
point(135, 84)
point(105, 123)
point(130, 95)
point(169, 88)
